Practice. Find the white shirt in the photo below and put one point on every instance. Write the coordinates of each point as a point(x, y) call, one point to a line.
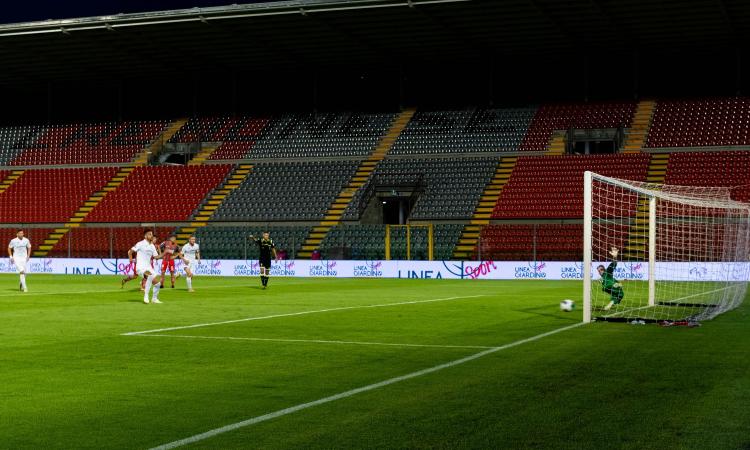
point(145, 250)
point(20, 247)
point(190, 251)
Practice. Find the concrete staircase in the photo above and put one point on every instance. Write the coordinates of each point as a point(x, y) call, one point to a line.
point(213, 201)
point(204, 154)
point(155, 147)
point(637, 243)
point(556, 145)
point(10, 179)
point(637, 135)
point(364, 171)
point(141, 159)
point(470, 234)
point(83, 211)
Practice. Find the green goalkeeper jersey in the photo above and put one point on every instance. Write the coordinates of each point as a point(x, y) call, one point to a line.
point(608, 277)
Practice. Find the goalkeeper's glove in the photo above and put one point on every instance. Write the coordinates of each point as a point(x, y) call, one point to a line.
point(614, 252)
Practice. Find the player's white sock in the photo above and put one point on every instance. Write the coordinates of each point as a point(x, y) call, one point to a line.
point(149, 282)
point(156, 291)
point(189, 281)
point(609, 306)
point(23, 280)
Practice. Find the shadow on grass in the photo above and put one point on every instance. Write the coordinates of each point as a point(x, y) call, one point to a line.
point(545, 311)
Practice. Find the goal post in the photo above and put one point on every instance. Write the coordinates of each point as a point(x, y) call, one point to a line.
point(681, 252)
point(418, 240)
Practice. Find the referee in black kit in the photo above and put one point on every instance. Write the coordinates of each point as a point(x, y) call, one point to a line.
point(266, 247)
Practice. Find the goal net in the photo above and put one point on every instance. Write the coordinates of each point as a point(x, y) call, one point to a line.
point(659, 252)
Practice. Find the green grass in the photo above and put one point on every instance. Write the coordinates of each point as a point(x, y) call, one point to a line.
point(70, 379)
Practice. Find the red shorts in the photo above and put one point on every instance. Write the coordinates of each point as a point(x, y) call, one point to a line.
point(167, 265)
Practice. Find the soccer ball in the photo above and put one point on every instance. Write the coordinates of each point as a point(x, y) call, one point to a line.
point(567, 305)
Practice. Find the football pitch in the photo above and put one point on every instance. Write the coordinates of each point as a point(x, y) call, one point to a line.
point(357, 363)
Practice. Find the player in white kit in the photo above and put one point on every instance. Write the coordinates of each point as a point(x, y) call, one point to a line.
point(191, 256)
point(144, 251)
point(19, 251)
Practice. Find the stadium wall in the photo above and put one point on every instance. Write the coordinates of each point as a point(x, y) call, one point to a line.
point(494, 270)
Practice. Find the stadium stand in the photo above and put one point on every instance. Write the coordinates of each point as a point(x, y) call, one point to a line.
point(549, 118)
point(51, 195)
point(287, 191)
point(320, 135)
point(725, 169)
point(236, 135)
point(100, 242)
point(452, 186)
point(699, 123)
point(13, 141)
point(477, 130)
point(85, 143)
point(529, 242)
point(552, 187)
point(233, 243)
point(159, 193)
point(367, 241)
point(425, 155)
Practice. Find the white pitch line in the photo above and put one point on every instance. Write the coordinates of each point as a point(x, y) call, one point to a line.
point(117, 289)
point(34, 294)
point(313, 341)
point(676, 300)
point(359, 390)
point(300, 313)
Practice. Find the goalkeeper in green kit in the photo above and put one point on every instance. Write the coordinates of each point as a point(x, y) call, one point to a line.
point(609, 284)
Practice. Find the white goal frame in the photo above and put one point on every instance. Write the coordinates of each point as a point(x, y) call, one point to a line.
point(713, 200)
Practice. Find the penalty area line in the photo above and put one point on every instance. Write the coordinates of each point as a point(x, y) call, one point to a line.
point(352, 392)
point(301, 313)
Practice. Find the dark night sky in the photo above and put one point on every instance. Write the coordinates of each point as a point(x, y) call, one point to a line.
point(33, 10)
